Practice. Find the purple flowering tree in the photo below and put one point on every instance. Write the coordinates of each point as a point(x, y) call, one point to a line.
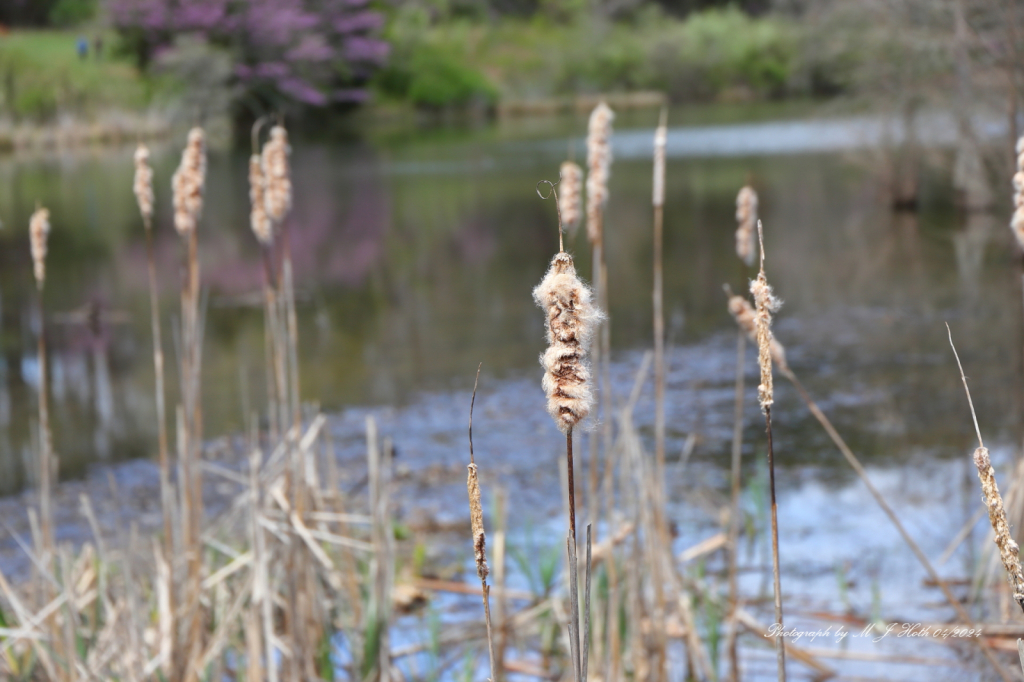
point(316, 52)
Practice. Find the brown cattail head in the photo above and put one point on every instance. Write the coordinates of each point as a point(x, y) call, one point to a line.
point(188, 183)
point(277, 175)
point(38, 231)
point(746, 216)
point(258, 219)
point(570, 188)
point(765, 304)
point(570, 319)
point(1009, 552)
point(599, 162)
point(660, 140)
point(744, 314)
point(143, 185)
point(476, 520)
point(1017, 221)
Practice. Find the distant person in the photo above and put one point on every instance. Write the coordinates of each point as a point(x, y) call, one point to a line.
point(97, 48)
point(83, 48)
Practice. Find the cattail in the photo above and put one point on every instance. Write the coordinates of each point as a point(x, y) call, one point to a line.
point(1009, 552)
point(258, 211)
point(569, 204)
point(1017, 222)
point(476, 519)
point(143, 186)
point(277, 175)
point(660, 140)
point(570, 321)
point(744, 314)
point(765, 304)
point(599, 161)
point(746, 216)
point(187, 183)
point(39, 230)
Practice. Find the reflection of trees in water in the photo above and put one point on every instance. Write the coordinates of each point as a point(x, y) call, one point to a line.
point(969, 244)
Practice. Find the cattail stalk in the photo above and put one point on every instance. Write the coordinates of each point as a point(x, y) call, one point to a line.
point(658, 204)
point(570, 318)
point(188, 185)
point(143, 189)
point(599, 160)
point(39, 231)
point(263, 230)
point(1009, 552)
point(657, 293)
point(766, 304)
point(476, 517)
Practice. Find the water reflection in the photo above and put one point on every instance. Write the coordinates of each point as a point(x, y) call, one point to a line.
point(415, 257)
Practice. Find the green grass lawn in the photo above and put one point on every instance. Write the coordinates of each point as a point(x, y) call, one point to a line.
point(41, 76)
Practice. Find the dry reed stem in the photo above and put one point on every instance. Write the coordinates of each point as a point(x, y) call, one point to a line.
point(188, 183)
point(746, 217)
point(1017, 221)
point(767, 304)
point(569, 321)
point(734, 508)
point(476, 517)
point(599, 161)
point(1009, 552)
point(570, 199)
point(657, 297)
point(143, 189)
point(39, 230)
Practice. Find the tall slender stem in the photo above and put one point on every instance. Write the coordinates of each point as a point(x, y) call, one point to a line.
point(780, 648)
point(45, 443)
point(659, 357)
point(572, 486)
point(166, 501)
point(734, 514)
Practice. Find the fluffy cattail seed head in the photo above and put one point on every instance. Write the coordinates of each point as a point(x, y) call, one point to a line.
point(258, 219)
point(38, 231)
point(570, 318)
point(277, 175)
point(1009, 552)
point(746, 216)
point(143, 185)
point(599, 162)
point(660, 140)
point(744, 315)
point(188, 183)
point(1017, 221)
point(765, 304)
point(476, 520)
point(570, 193)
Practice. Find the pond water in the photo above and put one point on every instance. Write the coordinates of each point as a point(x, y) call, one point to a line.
point(415, 256)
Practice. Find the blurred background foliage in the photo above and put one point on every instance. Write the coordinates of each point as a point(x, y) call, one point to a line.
point(439, 55)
